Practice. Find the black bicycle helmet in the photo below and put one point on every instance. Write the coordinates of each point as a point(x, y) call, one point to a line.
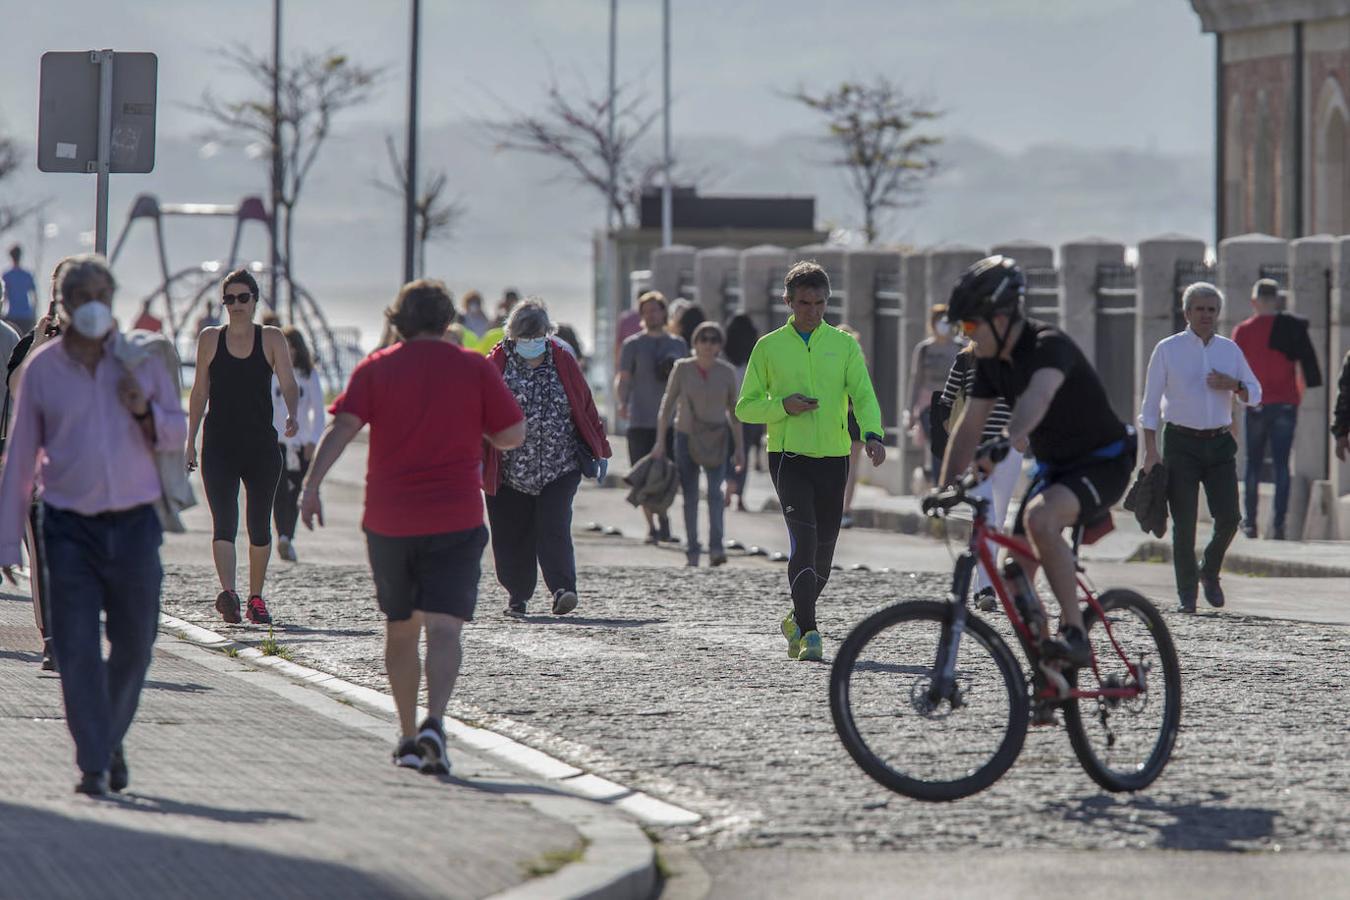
point(993, 285)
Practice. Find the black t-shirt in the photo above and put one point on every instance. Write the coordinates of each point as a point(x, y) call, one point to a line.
point(1079, 419)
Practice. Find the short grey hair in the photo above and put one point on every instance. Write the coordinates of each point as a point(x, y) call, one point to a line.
point(1200, 289)
point(529, 319)
point(80, 270)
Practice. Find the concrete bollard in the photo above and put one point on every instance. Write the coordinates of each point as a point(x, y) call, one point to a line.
point(1078, 262)
point(1240, 262)
point(712, 266)
point(668, 263)
point(760, 298)
point(1310, 297)
point(1028, 254)
point(861, 268)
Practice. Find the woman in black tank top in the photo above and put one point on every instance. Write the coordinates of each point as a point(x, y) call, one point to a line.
point(233, 387)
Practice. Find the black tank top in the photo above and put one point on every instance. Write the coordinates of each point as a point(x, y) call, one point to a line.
point(239, 403)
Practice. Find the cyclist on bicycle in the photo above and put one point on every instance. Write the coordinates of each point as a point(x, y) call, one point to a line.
point(1085, 454)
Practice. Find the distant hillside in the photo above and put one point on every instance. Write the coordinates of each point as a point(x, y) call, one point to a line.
point(529, 227)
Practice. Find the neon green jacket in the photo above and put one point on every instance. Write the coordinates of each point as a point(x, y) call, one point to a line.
point(829, 368)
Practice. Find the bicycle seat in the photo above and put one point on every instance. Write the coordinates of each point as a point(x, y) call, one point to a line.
point(1098, 528)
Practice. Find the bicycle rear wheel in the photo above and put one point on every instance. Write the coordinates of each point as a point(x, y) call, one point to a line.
point(1124, 744)
point(879, 699)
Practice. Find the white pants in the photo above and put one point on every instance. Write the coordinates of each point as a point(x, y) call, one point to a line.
point(998, 487)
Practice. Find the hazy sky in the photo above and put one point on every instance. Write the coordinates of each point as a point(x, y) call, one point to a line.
point(1134, 73)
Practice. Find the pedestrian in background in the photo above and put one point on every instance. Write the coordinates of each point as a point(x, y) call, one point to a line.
point(998, 487)
point(46, 328)
point(808, 436)
point(644, 365)
point(691, 316)
point(20, 293)
point(93, 427)
point(701, 399)
point(297, 451)
point(473, 318)
point(1192, 379)
point(1340, 414)
point(232, 386)
point(741, 337)
point(424, 510)
point(530, 488)
point(1276, 345)
point(928, 367)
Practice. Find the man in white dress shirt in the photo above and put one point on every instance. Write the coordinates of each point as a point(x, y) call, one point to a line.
point(1192, 379)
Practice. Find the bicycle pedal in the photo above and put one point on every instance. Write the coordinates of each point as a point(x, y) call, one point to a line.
point(1042, 714)
point(1055, 680)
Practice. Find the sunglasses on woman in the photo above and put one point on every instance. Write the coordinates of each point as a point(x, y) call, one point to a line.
point(968, 327)
point(231, 299)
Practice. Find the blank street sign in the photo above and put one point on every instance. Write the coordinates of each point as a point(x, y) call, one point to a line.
point(68, 112)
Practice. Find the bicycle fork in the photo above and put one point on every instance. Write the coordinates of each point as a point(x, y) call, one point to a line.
point(944, 685)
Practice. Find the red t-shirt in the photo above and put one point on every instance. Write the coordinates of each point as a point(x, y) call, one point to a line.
point(1277, 373)
point(428, 404)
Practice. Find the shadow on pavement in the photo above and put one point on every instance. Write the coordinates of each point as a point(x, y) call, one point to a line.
point(27, 656)
point(1197, 825)
point(548, 619)
point(131, 800)
point(77, 858)
point(185, 688)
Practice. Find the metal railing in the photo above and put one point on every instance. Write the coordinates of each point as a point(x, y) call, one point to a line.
point(686, 287)
point(887, 308)
point(731, 295)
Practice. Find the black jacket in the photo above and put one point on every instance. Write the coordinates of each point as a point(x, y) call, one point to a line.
point(1147, 499)
point(1289, 335)
point(1340, 417)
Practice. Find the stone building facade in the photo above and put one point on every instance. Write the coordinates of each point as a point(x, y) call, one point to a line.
point(1282, 118)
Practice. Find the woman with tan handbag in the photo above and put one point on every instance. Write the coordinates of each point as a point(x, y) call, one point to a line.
point(701, 398)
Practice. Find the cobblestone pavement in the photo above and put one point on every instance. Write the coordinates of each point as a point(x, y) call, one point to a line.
point(676, 681)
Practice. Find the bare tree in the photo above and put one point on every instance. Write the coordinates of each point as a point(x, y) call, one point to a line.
point(313, 91)
point(437, 215)
point(575, 131)
point(11, 157)
point(874, 127)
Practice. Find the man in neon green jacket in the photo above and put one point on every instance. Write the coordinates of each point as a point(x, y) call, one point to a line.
point(799, 382)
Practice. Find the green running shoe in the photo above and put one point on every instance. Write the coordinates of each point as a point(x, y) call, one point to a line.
point(811, 648)
point(793, 635)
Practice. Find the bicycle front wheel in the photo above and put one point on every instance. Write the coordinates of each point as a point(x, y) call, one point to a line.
point(879, 697)
point(1124, 743)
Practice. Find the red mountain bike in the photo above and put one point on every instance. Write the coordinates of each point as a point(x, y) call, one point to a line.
point(930, 701)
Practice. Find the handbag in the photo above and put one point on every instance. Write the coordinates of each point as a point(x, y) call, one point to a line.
point(708, 443)
point(586, 461)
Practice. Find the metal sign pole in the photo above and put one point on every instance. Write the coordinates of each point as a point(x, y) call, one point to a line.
point(104, 59)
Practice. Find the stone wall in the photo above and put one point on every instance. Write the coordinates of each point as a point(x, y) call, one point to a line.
point(1099, 299)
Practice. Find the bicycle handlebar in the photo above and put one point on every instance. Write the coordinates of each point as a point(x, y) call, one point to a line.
point(995, 450)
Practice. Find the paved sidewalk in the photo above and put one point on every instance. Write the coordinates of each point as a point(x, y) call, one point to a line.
point(243, 782)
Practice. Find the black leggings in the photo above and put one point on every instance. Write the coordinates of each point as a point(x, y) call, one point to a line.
point(811, 493)
point(258, 466)
point(287, 508)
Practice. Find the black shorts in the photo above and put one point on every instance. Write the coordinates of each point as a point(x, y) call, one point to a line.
point(1097, 483)
point(435, 573)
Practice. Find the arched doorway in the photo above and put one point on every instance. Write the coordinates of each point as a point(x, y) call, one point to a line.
point(1331, 182)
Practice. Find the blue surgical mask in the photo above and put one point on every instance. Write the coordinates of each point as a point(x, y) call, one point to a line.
point(531, 348)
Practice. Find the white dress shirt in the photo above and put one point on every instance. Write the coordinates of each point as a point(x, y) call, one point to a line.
point(1175, 389)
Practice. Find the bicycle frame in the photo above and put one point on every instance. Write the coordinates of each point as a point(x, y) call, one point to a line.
point(981, 549)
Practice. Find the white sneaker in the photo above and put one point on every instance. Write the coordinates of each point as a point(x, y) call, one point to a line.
point(285, 550)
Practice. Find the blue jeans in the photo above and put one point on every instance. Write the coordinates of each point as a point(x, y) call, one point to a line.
point(107, 563)
point(1271, 424)
point(689, 486)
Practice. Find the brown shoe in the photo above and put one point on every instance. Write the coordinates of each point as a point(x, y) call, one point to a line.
point(227, 604)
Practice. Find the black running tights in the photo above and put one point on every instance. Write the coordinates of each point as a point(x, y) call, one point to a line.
point(811, 493)
point(224, 466)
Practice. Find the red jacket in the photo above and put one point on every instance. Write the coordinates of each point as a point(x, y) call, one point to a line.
point(584, 414)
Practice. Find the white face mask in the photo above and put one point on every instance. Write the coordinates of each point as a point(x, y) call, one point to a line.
point(943, 327)
point(531, 348)
point(93, 319)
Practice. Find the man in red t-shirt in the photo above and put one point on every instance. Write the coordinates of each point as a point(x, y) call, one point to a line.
point(424, 507)
point(1275, 344)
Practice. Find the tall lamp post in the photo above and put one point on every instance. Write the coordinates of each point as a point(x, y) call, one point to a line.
point(275, 264)
point(410, 176)
point(667, 214)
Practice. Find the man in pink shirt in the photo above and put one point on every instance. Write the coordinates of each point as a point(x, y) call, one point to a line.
point(94, 427)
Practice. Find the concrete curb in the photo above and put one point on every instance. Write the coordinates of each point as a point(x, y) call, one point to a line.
point(1240, 564)
point(619, 860)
